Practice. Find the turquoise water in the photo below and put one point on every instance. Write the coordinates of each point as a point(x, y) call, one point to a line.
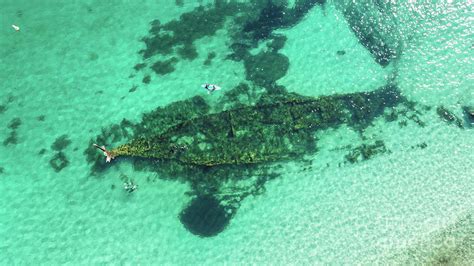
point(70, 71)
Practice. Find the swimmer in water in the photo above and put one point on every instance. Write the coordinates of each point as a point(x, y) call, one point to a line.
point(15, 27)
point(210, 87)
point(108, 156)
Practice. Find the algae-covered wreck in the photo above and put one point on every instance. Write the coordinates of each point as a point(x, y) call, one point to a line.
point(276, 128)
point(224, 155)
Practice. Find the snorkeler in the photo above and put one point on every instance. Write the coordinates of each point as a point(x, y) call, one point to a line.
point(107, 154)
point(210, 87)
point(129, 186)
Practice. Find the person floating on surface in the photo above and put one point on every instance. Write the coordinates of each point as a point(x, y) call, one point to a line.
point(210, 87)
point(15, 27)
point(108, 155)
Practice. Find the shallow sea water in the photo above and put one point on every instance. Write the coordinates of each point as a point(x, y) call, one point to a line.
point(69, 71)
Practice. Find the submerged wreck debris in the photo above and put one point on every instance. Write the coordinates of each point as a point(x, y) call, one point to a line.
point(422, 145)
point(229, 154)
point(61, 143)
point(269, 131)
point(240, 95)
point(59, 161)
point(408, 110)
point(448, 116)
point(153, 123)
point(366, 151)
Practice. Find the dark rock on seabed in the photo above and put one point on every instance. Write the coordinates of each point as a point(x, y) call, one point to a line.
point(448, 116)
